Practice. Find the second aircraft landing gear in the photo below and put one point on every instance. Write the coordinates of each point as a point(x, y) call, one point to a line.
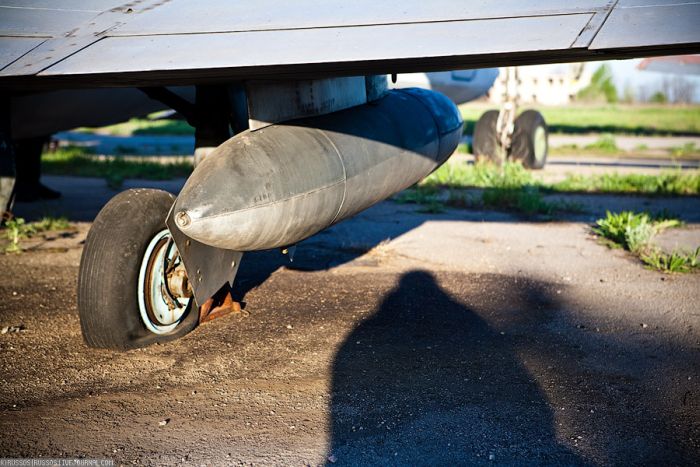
point(500, 135)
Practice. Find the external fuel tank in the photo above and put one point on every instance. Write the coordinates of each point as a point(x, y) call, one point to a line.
point(276, 186)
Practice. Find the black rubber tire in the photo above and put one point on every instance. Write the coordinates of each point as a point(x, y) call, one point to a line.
point(109, 271)
point(523, 146)
point(485, 143)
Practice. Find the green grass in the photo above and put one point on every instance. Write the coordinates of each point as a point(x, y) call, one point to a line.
point(688, 149)
point(635, 231)
point(77, 162)
point(511, 187)
point(676, 261)
point(606, 144)
point(512, 175)
point(667, 183)
point(507, 188)
point(139, 126)
point(16, 229)
point(621, 119)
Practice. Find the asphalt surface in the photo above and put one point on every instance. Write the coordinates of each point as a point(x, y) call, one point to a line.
point(395, 338)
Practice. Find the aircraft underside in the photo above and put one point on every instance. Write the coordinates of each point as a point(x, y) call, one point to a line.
point(336, 147)
point(295, 128)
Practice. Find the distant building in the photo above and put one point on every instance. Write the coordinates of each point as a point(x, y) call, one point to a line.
point(544, 84)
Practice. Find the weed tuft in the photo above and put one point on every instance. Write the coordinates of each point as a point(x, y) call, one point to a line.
point(605, 144)
point(16, 229)
point(688, 149)
point(635, 231)
point(676, 261)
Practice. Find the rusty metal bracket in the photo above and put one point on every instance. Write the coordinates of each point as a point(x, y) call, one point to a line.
point(208, 268)
point(221, 304)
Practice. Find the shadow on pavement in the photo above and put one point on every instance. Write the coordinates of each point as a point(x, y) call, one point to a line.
point(425, 380)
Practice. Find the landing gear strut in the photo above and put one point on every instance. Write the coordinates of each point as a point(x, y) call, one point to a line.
point(500, 135)
point(141, 281)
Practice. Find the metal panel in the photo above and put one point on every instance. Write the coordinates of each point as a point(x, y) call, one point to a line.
point(75, 5)
point(279, 101)
point(310, 39)
point(644, 26)
point(289, 47)
point(91, 29)
point(40, 22)
point(12, 48)
point(191, 16)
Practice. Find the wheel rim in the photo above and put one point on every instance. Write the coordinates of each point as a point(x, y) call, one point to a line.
point(160, 310)
point(540, 146)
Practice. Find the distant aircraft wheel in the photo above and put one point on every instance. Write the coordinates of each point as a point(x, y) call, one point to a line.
point(132, 286)
point(485, 143)
point(530, 140)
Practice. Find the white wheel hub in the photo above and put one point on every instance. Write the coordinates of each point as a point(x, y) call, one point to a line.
point(160, 310)
point(540, 145)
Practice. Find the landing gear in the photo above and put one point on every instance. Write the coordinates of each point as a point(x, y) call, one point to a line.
point(500, 135)
point(485, 142)
point(530, 140)
point(133, 290)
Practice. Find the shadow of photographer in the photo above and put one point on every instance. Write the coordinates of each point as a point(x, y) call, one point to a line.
point(415, 384)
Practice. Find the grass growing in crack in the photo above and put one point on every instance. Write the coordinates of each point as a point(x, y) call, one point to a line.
point(527, 200)
point(507, 188)
point(669, 183)
point(480, 175)
point(688, 149)
point(77, 161)
point(634, 232)
point(676, 261)
point(513, 188)
point(427, 197)
point(605, 144)
point(16, 229)
point(512, 175)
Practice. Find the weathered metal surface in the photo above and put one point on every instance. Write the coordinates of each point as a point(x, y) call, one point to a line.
point(278, 101)
point(40, 21)
point(179, 42)
point(12, 48)
point(78, 31)
point(279, 185)
point(376, 86)
point(95, 6)
point(295, 47)
point(187, 16)
point(208, 268)
point(641, 23)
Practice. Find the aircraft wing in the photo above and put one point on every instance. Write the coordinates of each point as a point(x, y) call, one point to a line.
point(54, 43)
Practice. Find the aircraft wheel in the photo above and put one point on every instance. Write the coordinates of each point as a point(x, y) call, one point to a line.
point(485, 143)
point(132, 287)
point(530, 140)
